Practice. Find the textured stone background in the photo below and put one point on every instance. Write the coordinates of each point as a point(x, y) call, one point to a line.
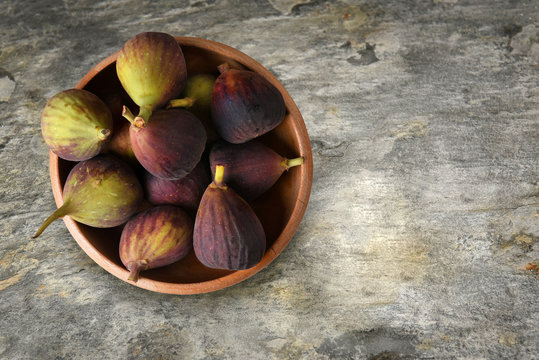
point(421, 235)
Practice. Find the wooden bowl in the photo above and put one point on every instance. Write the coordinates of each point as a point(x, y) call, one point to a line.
point(280, 209)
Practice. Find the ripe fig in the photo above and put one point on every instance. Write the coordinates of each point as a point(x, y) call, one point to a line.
point(185, 192)
point(152, 70)
point(171, 144)
point(101, 192)
point(196, 97)
point(154, 238)
point(227, 233)
point(120, 144)
point(245, 105)
point(251, 168)
point(76, 124)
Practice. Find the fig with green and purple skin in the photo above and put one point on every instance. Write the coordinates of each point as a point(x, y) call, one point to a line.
point(154, 238)
point(76, 124)
point(252, 168)
point(152, 70)
point(185, 192)
point(170, 145)
point(245, 105)
point(227, 234)
point(101, 192)
point(196, 97)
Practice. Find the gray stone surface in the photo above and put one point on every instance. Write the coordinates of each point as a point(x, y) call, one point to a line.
point(421, 233)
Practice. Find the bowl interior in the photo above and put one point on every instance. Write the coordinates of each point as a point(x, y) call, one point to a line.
point(280, 209)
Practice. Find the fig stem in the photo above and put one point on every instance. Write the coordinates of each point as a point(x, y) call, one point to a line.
point(134, 273)
point(288, 163)
point(186, 102)
point(103, 134)
point(61, 211)
point(143, 115)
point(126, 113)
point(135, 268)
point(219, 173)
point(223, 67)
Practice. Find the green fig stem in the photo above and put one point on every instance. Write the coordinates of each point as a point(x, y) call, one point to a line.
point(135, 268)
point(288, 163)
point(103, 134)
point(219, 173)
point(126, 113)
point(186, 102)
point(223, 67)
point(61, 211)
point(143, 115)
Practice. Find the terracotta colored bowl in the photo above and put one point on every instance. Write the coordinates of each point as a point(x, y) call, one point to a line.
point(280, 209)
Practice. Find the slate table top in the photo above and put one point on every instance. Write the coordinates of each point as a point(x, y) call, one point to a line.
point(420, 237)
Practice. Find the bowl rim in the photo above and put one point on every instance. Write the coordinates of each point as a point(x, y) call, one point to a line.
point(300, 206)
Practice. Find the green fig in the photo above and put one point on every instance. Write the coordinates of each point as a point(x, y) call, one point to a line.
point(154, 238)
point(76, 124)
point(101, 192)
point(227, 233)
point(152, 70)
point(196, 97)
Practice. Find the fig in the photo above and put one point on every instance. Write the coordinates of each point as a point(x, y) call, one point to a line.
point(245, 105)
point(197, 93)
point(101, 192)
point(227, 232)
point(152, 70)
point(251, 168)
point(76, 124)
point(185, 192)
point(196, 97)
point(154, 238)
point(120, 144)
point(171, 144)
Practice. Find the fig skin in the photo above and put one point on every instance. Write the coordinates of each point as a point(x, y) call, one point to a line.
point(152, 70)
point(154, 238)
point(185, 192)
point(227, 233)
point(245, 105)
point(101, 192)
point(171, 144)
point(252, 168)
point(76, 124)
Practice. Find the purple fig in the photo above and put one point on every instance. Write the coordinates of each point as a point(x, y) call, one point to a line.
point(120, 144)
point(152, 70)
point(76, 124)
point(154, 238)
point(101, 192)
point(185, 192)
point(170, 145)
point(251, 168)
point(245, 105)
point(227, 233)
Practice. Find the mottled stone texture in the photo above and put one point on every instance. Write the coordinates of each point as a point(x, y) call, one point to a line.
point(421, 235)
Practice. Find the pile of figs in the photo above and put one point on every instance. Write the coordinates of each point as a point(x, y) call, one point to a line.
point(181, 174)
